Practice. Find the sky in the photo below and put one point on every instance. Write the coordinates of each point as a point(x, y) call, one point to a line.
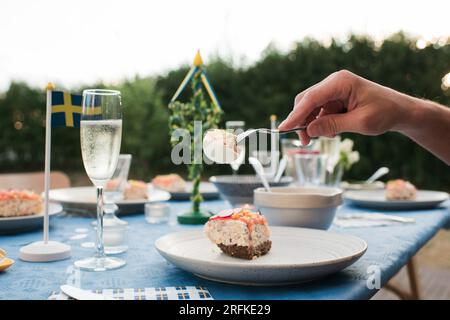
point(75, 42)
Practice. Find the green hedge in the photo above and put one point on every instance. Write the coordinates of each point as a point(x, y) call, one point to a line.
point(252, 94)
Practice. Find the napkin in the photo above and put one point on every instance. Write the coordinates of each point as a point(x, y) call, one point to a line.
point(361, 220)
point(158, 293)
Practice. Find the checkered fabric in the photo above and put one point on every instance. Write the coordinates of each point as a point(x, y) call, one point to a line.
point(158, 293)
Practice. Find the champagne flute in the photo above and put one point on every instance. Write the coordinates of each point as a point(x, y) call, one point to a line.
point(100, 137)
point(115, 229)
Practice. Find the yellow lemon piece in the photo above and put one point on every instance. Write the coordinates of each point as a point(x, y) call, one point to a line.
point(5, 263)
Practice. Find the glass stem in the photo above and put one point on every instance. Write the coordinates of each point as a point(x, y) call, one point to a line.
point(99, 239)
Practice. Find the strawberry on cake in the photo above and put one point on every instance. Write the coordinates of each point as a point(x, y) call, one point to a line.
point(14, 203)
point(239, 233)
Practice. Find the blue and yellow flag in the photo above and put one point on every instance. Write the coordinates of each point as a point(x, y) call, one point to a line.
point(67, 109)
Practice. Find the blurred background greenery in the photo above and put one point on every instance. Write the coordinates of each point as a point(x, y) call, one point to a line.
point(252, 94)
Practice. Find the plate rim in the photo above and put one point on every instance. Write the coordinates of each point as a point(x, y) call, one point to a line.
point(445, 196)
point(188, 193)
point(58, 208)
point(238, 264)
point(166, 197)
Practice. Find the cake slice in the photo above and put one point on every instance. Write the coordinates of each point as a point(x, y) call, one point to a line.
point(135, 190)
point(15, 203)
point(169, 182)
point(400, 190)
point(239, 233)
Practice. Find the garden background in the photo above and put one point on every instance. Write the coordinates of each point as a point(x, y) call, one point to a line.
point(250, 93)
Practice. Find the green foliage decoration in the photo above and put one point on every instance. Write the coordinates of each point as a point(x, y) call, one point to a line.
point(183, 116)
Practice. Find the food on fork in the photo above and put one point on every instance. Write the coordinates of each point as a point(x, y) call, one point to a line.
point(135, 190)
point(169, 182)
point(220, 146)
point(14, 203)
point(400, 190)
point(239, 233)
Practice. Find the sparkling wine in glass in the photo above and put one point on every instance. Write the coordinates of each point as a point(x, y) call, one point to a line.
point(100, 136)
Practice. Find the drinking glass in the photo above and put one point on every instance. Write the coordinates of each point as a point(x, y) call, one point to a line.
point(292, 147)
point(288, 149)
point(308, 164)
point(115, 187)
point(100, 137)
point(237, 127)
point(115, 229)
point(157, 213)
point(331, 148)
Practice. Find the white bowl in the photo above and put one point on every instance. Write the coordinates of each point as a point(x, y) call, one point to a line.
point(312, 207)
point(238, 189)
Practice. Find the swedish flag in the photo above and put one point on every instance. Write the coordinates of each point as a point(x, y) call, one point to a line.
point(67, 109)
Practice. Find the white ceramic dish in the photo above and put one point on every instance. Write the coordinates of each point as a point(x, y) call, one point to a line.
point(297, 255)
point(11, 225)
point(238, 189)
point(83, 199)
point(313, 207)
point(375, 199)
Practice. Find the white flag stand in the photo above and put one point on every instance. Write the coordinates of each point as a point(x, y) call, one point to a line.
point(45, 251)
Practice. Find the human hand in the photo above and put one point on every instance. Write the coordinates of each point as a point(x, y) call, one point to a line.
point(345, 102)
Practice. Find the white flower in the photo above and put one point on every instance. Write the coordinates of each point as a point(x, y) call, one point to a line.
point(346, 146)
point(353, 157)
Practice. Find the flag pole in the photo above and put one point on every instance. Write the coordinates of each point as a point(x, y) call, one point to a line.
point(46, 250)
point(48, 137)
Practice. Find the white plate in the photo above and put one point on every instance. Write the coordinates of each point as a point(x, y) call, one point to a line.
point(376, 199)
point(19, 224)
point(83, 199)
point(297, 255)
point(207, 189)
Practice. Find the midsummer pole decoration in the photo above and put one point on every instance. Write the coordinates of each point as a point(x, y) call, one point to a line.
point(183, 116)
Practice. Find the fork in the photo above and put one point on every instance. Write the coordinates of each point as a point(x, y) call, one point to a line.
point(240, 137)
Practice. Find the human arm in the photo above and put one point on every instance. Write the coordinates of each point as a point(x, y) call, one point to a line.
point(345, 102)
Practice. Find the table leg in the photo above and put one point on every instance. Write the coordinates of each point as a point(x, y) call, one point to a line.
point(414, 293)
point(413, 279)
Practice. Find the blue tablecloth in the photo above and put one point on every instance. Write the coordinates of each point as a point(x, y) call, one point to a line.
point(389, 248)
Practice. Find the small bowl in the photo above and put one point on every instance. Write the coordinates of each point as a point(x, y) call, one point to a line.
point(238, 189)
point(312, 207)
